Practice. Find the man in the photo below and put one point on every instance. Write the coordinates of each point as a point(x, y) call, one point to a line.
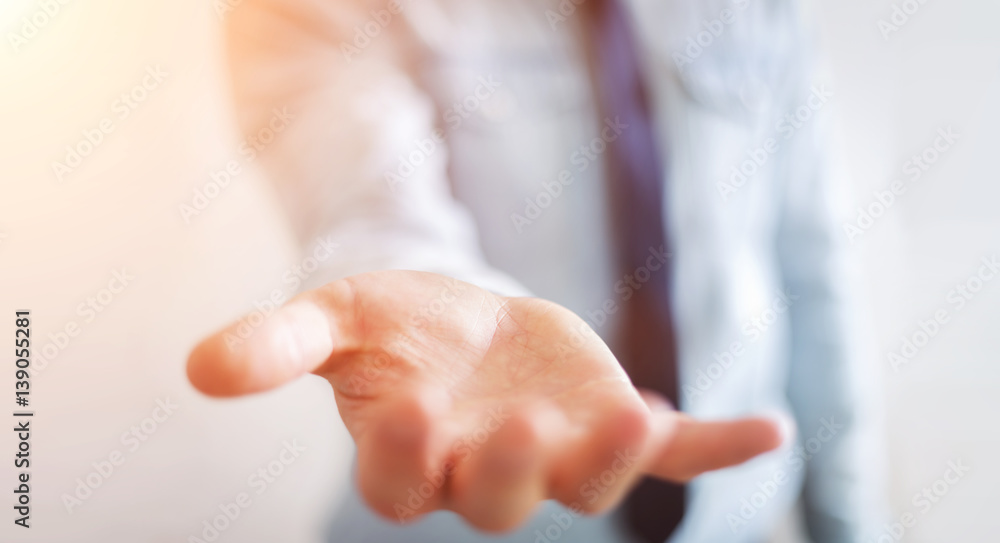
point(505, 143)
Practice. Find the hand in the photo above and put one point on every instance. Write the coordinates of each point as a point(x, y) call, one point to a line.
point(463, 400)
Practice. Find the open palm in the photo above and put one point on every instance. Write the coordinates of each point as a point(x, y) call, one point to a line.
point(464, 400)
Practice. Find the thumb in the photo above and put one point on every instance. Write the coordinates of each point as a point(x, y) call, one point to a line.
point(243, 359)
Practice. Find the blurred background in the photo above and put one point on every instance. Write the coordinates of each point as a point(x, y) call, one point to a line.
point(65, 235)
point(940, 70)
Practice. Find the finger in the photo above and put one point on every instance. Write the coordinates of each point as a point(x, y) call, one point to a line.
point(595, 473)
point(401, 456)
point(500, 485)
point(697, 447)
point(252, 356)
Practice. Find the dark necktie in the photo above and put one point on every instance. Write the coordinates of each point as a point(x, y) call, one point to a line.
point(645, 342)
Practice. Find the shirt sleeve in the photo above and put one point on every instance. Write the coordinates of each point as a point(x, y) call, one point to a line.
point(361, 162)
point(833, 383)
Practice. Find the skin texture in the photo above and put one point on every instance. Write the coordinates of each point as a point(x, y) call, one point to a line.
point(489, 404)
